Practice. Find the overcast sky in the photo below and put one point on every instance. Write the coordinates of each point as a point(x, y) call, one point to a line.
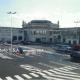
point(66, 11)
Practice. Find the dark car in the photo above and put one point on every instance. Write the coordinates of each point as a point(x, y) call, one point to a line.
point(63, 48)
point(75, 54)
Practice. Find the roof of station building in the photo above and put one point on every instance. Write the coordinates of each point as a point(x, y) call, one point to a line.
point(40, 21)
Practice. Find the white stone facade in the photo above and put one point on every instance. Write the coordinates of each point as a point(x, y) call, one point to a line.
point(5, 34)
point(39, 31)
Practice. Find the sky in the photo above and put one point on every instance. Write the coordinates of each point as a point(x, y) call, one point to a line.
point(66, 11)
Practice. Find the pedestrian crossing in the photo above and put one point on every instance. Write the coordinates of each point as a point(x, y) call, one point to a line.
point(18, 77)
point(34, 75)
point(63, 73)
point(29, 76)
point(9, 78)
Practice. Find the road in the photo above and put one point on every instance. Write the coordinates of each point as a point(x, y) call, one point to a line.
point(42, 63)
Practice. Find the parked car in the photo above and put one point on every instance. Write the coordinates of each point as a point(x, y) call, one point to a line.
point(75, 54)
point(63, 48)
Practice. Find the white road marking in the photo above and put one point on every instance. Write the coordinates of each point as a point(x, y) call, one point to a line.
point(65, 74)
point(42, 74)
point(47, 72)
point(27, 76)
point(55, 73)
point(1, 79)
point(4, 56)
point(50, 77)
point(18, 77)
point(62, 71)
point(60, 76)
point(9, 78)
point(69, 68)
point(33, 74)
point(30, 68)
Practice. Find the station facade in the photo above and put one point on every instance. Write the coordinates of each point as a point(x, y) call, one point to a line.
point(44, 31)
point(41, 31)
point(5, 34)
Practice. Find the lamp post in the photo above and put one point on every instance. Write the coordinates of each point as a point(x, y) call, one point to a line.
point(11, 13)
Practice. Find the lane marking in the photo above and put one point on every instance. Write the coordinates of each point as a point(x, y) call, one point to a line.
point(33, 74)
point(64, 71)
point(64, 74)
point(30, 68)
point(69, 68)
point(1, 79)
point(42, 74)
point(18, 77)
point(51, 78)
point(9, 78)
point(4, 56)
point(27, 76)
point(47, 72)
point(59, 71)
point(60, 76)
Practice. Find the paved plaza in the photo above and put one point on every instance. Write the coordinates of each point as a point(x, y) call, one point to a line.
point(38, 63)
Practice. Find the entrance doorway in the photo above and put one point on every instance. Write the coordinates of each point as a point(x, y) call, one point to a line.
point(38, 40)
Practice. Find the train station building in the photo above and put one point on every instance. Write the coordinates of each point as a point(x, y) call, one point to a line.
point(41, 31)
point(44, 31)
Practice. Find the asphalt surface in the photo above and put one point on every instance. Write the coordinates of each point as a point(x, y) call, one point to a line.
point(42, 63)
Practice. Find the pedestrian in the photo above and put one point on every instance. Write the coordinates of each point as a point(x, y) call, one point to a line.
point(20, 50)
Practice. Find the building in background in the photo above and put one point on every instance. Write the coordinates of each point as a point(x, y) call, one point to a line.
point(5, 34)
point(70, 35)
point(44, 31)
point(41, 31)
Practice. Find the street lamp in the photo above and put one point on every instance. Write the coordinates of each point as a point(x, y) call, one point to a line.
point(11, 13)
